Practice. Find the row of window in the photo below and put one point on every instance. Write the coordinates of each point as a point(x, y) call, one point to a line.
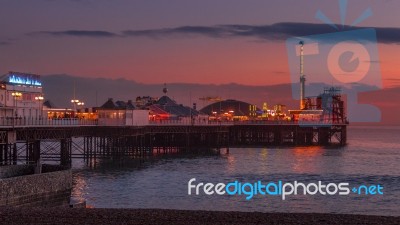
point(21, 112)
point(113, 115)
point(24, 97)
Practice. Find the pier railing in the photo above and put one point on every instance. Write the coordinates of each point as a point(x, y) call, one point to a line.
point(247, 122)
point(42, 122)
point(37, 122)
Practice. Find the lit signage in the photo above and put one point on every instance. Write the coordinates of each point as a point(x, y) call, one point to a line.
point(25, 79)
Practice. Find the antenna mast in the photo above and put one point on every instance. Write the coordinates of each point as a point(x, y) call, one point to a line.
point(302, 76)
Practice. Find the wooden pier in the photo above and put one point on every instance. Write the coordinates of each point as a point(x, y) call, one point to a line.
point(29, 144)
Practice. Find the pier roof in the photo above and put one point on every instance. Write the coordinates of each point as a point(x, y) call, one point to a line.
point(240, 108)
point(118, 105)
point(170, 106)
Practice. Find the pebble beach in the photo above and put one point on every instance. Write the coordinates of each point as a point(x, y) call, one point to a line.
point(98, 216)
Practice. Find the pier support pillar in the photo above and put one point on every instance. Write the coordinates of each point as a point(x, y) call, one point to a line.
point(323, 136)
point(14, 154)
point(36, 151)
point(32, 151)
point(65, 152)
point(6, 159)
point(343, 136)
point(3, 154)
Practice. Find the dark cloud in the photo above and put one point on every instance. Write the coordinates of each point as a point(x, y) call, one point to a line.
point(4, 43)
point(77, 33)
point(388, 35)
point(215, 32)
point(278, 32)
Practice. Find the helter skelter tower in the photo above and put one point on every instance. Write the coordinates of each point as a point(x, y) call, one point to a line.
point(302, 76)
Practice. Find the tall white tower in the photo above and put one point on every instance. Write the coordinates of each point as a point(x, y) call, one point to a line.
point(302, 76)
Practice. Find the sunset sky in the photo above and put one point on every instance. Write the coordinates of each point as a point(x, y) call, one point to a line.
point(178, 40)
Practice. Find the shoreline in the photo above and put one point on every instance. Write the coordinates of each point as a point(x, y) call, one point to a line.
point(166, 216)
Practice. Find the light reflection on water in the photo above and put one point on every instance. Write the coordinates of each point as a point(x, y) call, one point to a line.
point(372, 157)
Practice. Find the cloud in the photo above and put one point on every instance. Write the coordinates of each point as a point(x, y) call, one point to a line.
point(279, 31)
point(77, 33)
point(274, 32)
point(4, 43)
point(215, 32)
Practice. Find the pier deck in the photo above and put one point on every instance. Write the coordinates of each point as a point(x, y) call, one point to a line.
point(64, 142)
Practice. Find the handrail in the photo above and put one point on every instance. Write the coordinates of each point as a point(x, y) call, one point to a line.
point(38, 122)
point(34, 122)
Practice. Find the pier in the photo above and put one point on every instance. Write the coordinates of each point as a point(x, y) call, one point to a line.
point(149, 126)
point(29, 143)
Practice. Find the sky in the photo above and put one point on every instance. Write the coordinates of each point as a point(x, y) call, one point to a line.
point(179, 41)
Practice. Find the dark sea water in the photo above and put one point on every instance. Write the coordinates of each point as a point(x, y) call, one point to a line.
point(372, 156)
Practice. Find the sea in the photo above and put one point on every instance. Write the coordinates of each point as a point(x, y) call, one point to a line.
point(371, 158)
